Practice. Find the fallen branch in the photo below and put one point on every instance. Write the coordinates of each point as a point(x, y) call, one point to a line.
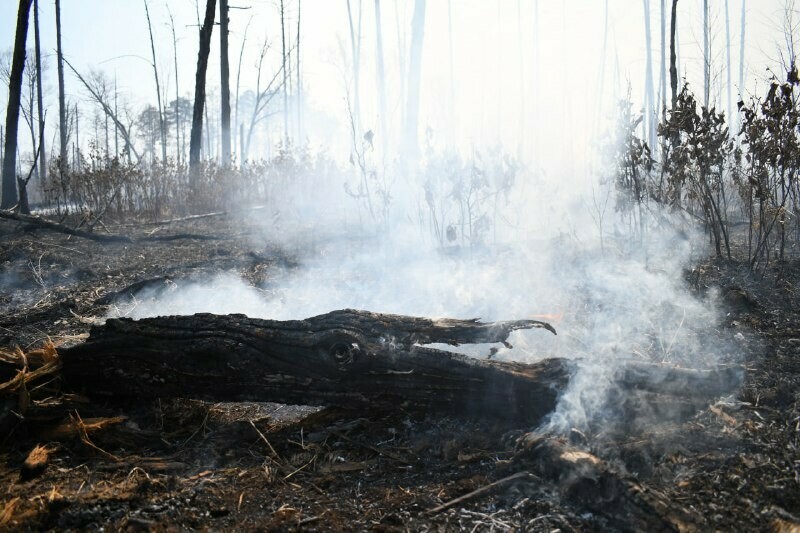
point(40, 222)
point(479, 492)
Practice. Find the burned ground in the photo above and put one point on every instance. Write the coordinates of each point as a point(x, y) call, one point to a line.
point(731, 464)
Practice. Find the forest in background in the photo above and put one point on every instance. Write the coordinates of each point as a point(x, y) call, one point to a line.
point(700, 149)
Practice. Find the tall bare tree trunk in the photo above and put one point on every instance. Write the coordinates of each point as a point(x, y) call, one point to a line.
point(706, 57)
point(411, 141)
point(380, 80)
point(196, 137)
point(178, 154)
point(285, 82)
point(650, 111)
point(741, 52)
point(299, 95)
point(116, 130)
point(225, 108)
point(12, 113)
point(663, 85)
point(62, 103)
point(241, 156)
point(521, 146)
point(673, 69)
point(728, 65)
point(39, 102)
point(161, 124)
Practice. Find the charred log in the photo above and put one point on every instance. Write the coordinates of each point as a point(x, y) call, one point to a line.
point(345, 358)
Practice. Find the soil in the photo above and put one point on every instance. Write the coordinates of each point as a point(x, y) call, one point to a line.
point(733, 465)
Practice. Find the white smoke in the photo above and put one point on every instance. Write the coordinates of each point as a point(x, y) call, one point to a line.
point(611, 302)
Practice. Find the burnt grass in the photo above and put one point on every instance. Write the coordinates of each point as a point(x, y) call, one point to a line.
point(185, 464)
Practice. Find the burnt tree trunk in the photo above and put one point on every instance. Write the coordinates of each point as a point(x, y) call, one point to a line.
point(344, 358)
point(9, 195)
point(196, 136)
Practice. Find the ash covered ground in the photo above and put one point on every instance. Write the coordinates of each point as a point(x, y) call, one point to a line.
point(731, 464)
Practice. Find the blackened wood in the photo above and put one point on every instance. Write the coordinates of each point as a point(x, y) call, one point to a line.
point(345, 358)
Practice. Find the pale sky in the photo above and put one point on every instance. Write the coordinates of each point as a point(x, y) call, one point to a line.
point(498, 70)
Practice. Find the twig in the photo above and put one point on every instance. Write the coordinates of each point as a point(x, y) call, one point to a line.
point(479, 492)
point(264, 438)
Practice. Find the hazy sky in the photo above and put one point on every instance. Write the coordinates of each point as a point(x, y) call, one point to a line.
point(526, 64)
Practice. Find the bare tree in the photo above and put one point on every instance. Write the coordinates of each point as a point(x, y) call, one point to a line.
point(285, 86)
point(650, 113)
point(98, 88)
point(741, 51)
point(225, 107)
point(161, 123)
point(177, 90)
point(673, 69)
point(62, 101)
point(238, 85)
point(706, 57)
point(40, 105)
point(195, 140)
point(663, 70)
point(299, 94)
point(728, 64)
point(414, 73)
point(12, 113)
point(262, 100)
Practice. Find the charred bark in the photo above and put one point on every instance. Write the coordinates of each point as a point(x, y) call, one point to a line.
point(196, 136)
point(345, 358)
point(9, 184)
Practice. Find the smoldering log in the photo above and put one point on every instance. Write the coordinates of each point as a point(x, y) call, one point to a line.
point(347, 358)
point(344, 358)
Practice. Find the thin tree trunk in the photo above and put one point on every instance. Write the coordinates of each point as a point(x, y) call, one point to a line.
point(299, 86)
point(728, 65)
point(62, 103)
point(380, 80)
point(238, 85)
point(177, 90)
point(673, 69)
point(39, 102)
point(161, 126)
point(225, 107)
point(521, 146)
point(196, 139)
point(706, 57)
point(414, 73)
point(741, 52)
point(663, 85)
point(285, 84)
point(12, 113)
point(116, 130)
point(650, 111)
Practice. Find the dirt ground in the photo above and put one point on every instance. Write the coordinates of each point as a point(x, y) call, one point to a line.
point(733, 465)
